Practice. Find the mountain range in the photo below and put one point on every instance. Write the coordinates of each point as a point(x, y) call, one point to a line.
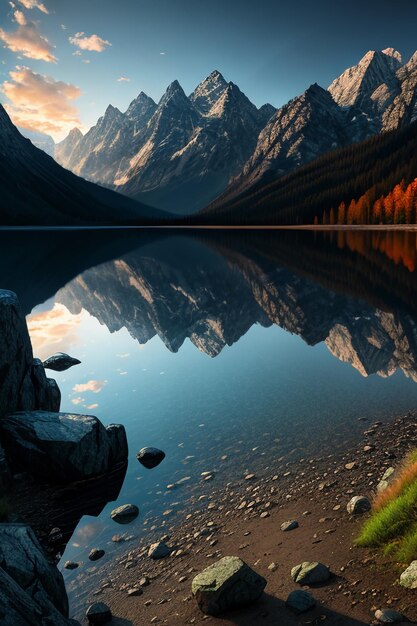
point(185, 152)
point(35, 190)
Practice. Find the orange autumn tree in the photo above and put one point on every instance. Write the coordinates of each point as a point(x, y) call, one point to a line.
point(399, 206)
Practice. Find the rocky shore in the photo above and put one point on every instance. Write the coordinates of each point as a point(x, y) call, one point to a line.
point(248, 519)
point(42, 451)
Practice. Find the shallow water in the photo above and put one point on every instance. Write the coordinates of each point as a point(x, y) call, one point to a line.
point(233, 352)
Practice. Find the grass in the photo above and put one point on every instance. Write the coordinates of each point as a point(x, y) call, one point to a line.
point(392, 526)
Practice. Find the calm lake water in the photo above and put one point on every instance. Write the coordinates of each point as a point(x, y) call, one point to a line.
point(233, 352)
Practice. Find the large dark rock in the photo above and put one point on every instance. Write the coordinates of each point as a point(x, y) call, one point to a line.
point(228, 584)
point(60, 362)
point(150, 457)
point(15, 351)
point(62, 447)
point(24, 385)
point(5, 473)
point(32, 592)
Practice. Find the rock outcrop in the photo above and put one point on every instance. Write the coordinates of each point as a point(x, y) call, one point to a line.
point(24, 385)
point(228, 584)
point(62, 447)
point(32, 592)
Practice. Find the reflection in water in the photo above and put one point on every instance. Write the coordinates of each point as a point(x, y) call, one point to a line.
point(212, 293)
point(144, 311)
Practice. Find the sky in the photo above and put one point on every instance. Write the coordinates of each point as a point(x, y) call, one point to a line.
point(63, 61)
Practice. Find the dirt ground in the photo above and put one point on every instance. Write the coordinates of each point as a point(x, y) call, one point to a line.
point(243, 519)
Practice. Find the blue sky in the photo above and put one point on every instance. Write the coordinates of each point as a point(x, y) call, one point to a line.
point(272, 49)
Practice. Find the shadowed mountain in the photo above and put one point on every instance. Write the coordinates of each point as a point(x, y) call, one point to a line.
point(35, 190)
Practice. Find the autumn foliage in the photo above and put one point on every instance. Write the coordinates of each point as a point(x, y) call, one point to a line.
point(399, 206)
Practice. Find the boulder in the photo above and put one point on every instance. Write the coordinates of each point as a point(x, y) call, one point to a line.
point(290, 525)
point(5, 473)
point(386, 479)
point(118, 443)
point(228, 584)
point(15, 351)
point(32, 591)
point(98, 613)
point(389, 616)
point(70, 565)
point(60, 362)
point(125, 514)
point(358, 505)
point(408, 578)
point(96, 554)
point(159, 550)
point(300, 601)
point(24, 385)
point(61, 447)
point(310, 573)
point(150, 457)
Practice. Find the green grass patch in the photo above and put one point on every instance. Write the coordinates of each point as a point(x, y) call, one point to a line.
point(392, 527)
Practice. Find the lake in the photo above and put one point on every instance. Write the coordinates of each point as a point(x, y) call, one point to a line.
point(232, 351)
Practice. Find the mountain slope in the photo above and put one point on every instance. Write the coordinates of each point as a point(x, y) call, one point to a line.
point(178, 155)
point(34, 189)
point(376, 164)
point(40, 140)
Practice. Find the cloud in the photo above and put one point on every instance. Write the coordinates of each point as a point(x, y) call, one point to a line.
point(33, 4)
point(123, 79)
point(54, 330)
point(27, 40)
point(78, 400)
point(92, 406)
point(92, 43)
point(39, 102)
point(95, 386)
point(162, 54)
point(86, 61)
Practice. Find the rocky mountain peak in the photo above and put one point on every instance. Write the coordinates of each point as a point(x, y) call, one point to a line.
point(173, 95)
point(391, 52)
point(356, 85)
point(208, 91)
point(140, 109)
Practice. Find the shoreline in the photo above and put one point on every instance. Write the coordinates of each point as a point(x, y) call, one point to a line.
point(182, 227)
point(243, 519)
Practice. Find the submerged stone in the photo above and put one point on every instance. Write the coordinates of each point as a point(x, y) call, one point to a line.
point(125, 514)
point(228, 584)
point(150, 457)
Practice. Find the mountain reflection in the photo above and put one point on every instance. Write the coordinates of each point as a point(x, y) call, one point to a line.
point(354, 291)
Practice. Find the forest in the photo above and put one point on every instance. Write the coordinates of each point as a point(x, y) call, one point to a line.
point(371, 182)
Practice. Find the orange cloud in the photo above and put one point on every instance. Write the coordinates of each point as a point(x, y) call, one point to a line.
point(53, 331)
point(92, 43)
point(34, 4)
point(92, 406)
point(95, 386)
point(39, 102)
point(27, 40)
